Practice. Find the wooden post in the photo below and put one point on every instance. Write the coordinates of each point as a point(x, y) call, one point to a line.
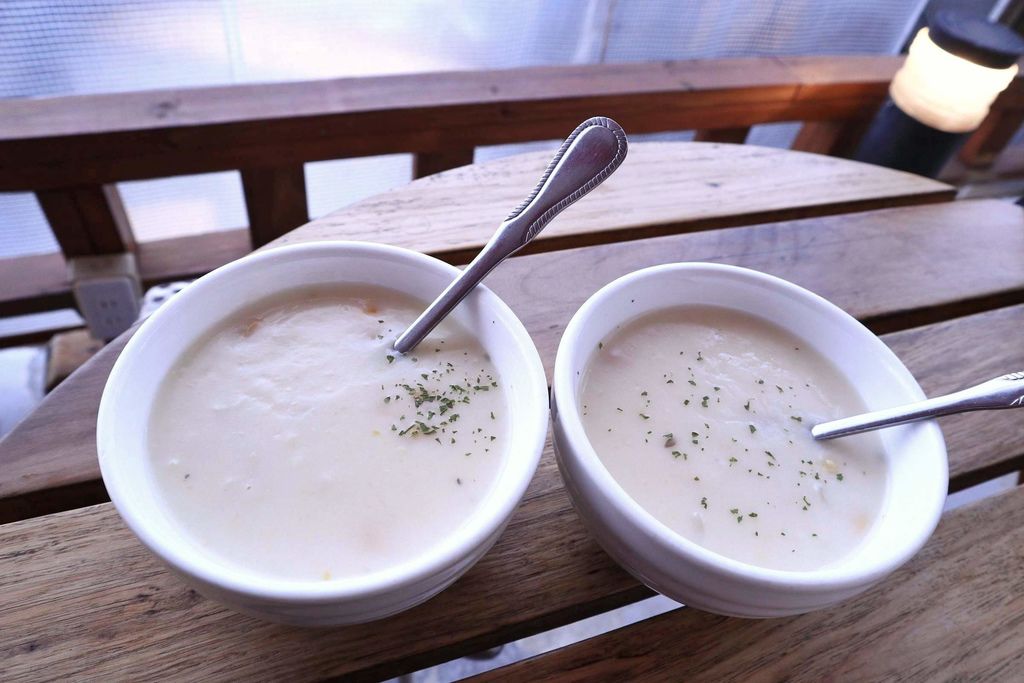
point(734, 135)
point(833, 138)
point(87, 220)
point(275, 199)
point(991, 138)
point(429, 163)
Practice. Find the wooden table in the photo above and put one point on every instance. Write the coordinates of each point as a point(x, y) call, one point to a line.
point(942, 281)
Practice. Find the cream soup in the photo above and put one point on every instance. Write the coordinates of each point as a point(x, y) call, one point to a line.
point(291, 441)
point(703, 415)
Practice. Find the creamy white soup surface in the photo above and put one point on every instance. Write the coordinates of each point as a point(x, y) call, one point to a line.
point(703, 415)
point(292, 442)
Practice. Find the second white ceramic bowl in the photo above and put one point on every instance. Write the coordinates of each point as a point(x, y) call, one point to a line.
point(676, 566)
point(160, 341)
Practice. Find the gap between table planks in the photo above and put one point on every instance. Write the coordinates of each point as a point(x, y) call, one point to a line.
point(891, 268)
point(82, 592)
point(954, 612)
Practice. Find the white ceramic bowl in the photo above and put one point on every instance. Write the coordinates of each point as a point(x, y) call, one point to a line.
point(131, 388)
point(683, 570)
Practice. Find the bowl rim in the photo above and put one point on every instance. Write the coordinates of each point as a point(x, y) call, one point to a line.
point(486, 520)
point(831, 577)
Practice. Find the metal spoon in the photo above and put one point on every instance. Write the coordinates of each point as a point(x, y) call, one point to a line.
point(1002, 392)
point(586, 158)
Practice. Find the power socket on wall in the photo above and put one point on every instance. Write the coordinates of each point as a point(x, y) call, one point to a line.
point(107, 291)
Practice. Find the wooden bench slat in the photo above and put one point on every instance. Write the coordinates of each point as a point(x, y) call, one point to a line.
point(79, 589)
point(952, 258)
point(53, 142)
point(33, 283)
point(453, 215)
point(952, 613)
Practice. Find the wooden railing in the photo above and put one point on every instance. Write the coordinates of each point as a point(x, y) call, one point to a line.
point(71, 151)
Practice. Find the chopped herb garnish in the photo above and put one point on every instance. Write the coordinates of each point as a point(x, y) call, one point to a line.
point(704, 402)
point(839, 476)
point(704, 502)
point(692, 383)
point(646, 417)
point(752, 428)
point(391, 359)
point(796, 417)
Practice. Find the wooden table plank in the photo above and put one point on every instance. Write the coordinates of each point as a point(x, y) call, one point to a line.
point(80, 592)
point(955, 612)
point(913, 265)
point(661, 188)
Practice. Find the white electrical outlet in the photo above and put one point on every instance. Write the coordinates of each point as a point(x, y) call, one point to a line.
point(107, 291)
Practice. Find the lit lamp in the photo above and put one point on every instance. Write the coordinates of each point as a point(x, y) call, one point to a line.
point(955, 70)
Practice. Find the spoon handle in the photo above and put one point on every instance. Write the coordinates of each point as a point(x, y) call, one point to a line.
point(589, 155)
point(1002, 392)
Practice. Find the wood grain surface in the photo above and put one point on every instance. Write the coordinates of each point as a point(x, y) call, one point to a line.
point(82, 596)
point(915, 265)
point(56, 142)
point(661, 188)
point(955, 612)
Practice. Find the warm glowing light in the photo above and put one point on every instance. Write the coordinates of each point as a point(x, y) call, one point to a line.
point(944, 91)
